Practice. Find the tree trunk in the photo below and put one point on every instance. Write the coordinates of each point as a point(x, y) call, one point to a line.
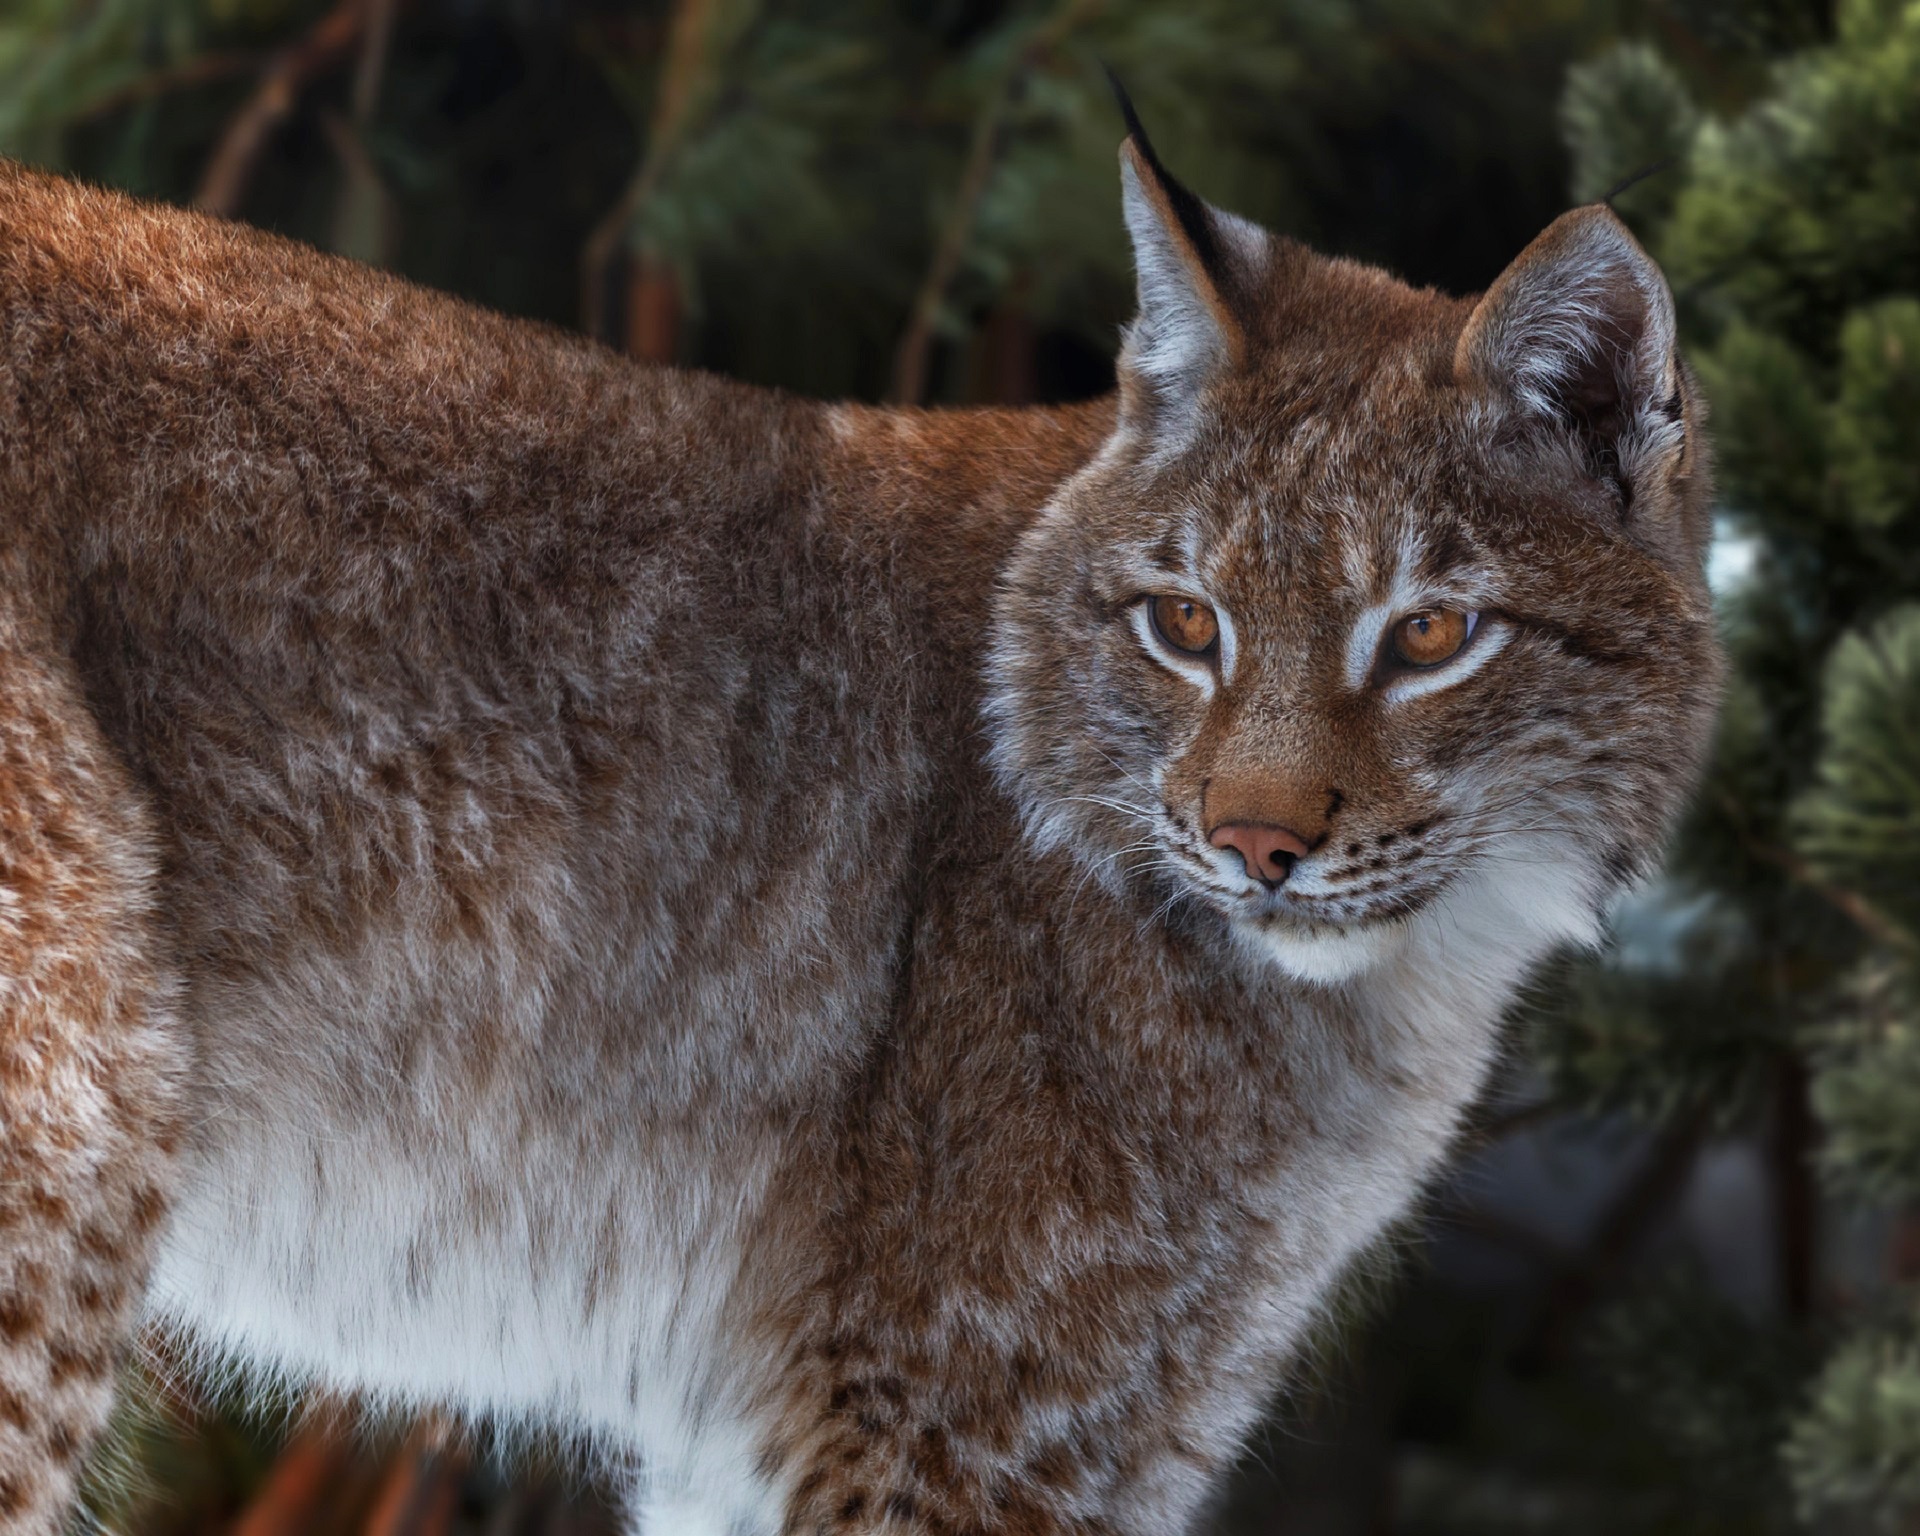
point(1007, 365)
point(653, 310)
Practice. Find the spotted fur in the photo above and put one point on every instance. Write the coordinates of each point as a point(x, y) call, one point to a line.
point(598, 896)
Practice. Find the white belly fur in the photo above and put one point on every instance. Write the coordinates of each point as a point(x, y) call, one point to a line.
point(310, 1261)
point(529, 1255)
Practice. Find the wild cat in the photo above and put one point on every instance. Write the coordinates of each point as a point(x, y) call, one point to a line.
point(880, 963)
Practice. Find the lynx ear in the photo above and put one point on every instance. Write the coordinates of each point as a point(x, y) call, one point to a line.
point(1193, 262)
point(1579, 332)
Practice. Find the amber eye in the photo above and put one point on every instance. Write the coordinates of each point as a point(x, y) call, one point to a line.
point(1429, 638)
point(1185, 625)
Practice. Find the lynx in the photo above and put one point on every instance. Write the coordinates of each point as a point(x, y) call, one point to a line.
point(879, 965)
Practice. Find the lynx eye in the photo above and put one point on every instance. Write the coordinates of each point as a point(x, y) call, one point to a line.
point(1432, 636)
point(1184, 624)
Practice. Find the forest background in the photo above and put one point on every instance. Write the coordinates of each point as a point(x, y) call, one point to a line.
point(1670, 1287)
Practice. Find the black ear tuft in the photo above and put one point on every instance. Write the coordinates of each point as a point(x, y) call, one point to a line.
point(1633, 179)
point(1187, 208)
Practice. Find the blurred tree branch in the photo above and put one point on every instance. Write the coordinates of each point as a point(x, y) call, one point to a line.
point(305, 1476)
point(207, 69)
point(363, 215)
point(230, 167)
point(1648, 1193)
point(1867, 918)
point(916, 342)
point(420, 1493)
point(683, 71)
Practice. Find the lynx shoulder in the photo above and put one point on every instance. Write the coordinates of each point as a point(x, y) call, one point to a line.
point(879, 964)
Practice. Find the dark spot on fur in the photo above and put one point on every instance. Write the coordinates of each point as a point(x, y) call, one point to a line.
point(99, 1243)
point(64, 1362)
point(1386, 839)
point(90, 1296)
point(13, 1494)
point(853, 1506)
point(1353, 850)
point(65, 1440)
point(769, 1462)
point(1446, 550)
point(13, 1409)
point(149, 1205)
point(67, 1360)
point(1052, 1468)
point(932, 1456)
point(19, 1315)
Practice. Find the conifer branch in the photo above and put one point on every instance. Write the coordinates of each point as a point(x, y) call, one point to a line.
point(912, 355)
point(361, 214)
point(916, 342)
point(371, 70)
point(682, 71)
point(1512, 1122)
point(207, 69)
point(1864, 915)
point(1514, 1236)
point(1647, 1194)
point(248, 132)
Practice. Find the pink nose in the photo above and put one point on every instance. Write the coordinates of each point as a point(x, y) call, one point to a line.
point(1268, 851)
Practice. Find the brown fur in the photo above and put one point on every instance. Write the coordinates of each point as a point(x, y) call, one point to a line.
point(565, 787)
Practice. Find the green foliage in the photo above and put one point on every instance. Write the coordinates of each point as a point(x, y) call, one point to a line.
point(1859, 825)
point(59, 62)
point(753, 169)
point(1795, 253)
point(1715, 1386)
point(1769, 427)
point(1759, 27)
point(1865, 1085)
point(1803, 208)
point(797, 168)
point(1876, 452)
point(1622, 113)
point(1606, 1033)
point(165, 1468)
point(1856, 1450)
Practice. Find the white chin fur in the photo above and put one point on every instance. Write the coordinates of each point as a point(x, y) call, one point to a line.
point(1324, 956)
point(1484, 934)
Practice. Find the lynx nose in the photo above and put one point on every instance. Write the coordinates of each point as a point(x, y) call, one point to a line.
point(1268, 851)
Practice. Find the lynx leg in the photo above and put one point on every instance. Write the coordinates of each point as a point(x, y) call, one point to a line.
point(87, 1083)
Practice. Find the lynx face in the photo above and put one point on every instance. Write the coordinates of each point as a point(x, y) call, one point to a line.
point(1375, 600)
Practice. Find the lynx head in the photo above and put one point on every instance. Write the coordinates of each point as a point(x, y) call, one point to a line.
point(1379, 610)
